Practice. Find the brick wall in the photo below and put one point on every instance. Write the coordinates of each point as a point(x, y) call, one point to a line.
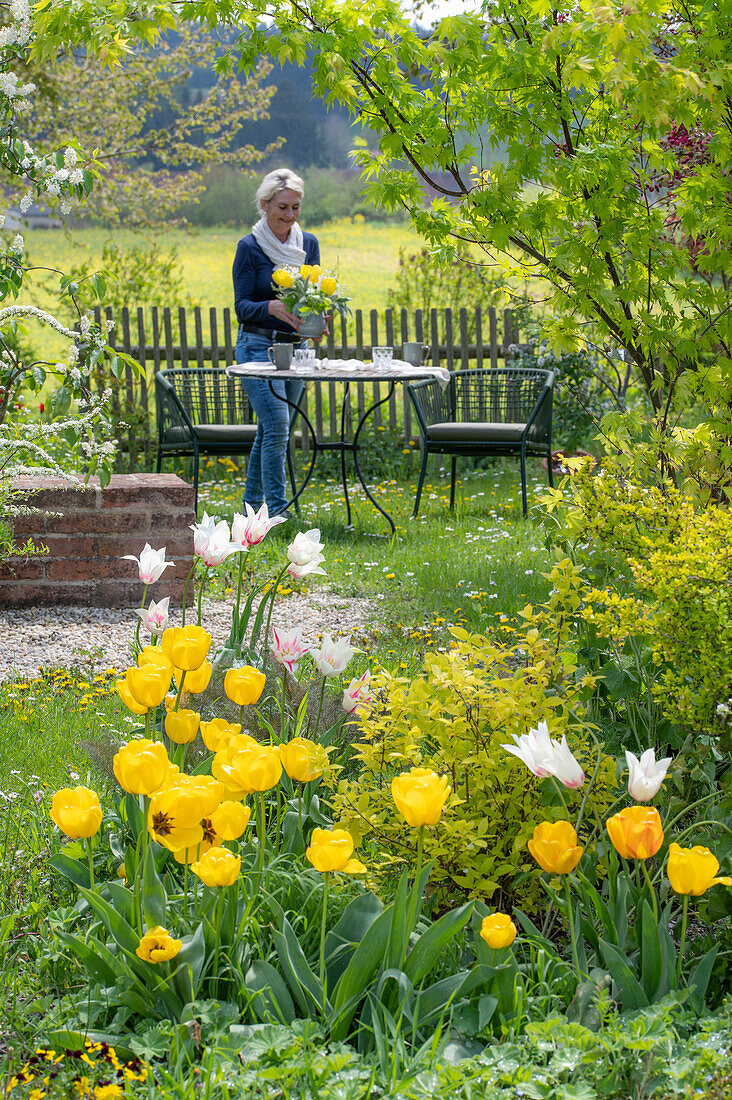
point(94, 529)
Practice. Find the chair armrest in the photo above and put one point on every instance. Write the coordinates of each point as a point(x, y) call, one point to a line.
point(173, 420)
point(539, 424)
point(432, 403)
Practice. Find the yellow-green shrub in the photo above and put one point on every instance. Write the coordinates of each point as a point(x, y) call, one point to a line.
point(678, 594)
point(453, 718)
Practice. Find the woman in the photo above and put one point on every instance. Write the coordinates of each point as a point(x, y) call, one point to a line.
point(275, 240)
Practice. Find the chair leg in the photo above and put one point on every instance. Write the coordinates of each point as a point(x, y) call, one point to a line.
point(291, 471)
point(523, 482)
point(160, 462)
point(422, 472)
point(453, 471)
point(550, 469)
point(195, 485)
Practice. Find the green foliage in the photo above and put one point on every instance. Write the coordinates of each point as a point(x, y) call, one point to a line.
point(675, 559)
point(453, 718)
point(428, 280)
point(131, 275)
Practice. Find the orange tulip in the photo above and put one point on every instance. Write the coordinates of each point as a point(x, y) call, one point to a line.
point(636, 832)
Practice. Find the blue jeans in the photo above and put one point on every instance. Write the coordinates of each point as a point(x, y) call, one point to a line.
point(266, 466)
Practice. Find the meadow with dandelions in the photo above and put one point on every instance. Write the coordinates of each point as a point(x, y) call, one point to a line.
point(448, 853)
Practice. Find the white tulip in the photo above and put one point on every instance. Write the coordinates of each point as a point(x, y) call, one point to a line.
point(333, 656)
point(150, 563)
point(646, 775)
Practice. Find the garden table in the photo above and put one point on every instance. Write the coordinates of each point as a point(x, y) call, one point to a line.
point(345, 371)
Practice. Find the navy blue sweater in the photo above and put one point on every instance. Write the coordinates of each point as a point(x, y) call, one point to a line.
point(253, 281)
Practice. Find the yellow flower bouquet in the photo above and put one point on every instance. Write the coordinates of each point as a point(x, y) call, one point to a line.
point(309, 289)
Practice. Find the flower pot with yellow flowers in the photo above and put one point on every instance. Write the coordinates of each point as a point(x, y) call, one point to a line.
point(312, 295)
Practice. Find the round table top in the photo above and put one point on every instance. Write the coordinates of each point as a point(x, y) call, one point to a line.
point(359, 372)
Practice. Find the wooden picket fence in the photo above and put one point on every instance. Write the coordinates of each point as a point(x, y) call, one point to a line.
point(164, 338)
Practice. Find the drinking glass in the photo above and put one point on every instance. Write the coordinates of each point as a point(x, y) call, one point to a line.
point(382, 357)
point(303, 360)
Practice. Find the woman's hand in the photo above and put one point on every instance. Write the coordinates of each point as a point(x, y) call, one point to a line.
point(277, 309)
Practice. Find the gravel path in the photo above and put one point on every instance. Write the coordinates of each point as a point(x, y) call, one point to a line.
point(99, 638)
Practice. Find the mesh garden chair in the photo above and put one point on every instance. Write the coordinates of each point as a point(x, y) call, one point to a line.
point(203, 412)
point(502, 411)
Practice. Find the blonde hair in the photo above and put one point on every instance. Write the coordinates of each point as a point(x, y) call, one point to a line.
point(282, 179)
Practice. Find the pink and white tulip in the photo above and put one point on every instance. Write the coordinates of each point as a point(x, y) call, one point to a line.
point(211, 541)
point(534, 749)
point(307, 570)
point(249, 530)
point(546, 757)
point(646, 775)
point(358, 693)
point(305, 548)
point(155, 617)
point(150, 563)
point(333, 656)
point(288, 648)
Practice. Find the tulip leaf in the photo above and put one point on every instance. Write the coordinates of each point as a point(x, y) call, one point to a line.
point(432, 943)
point(434, 1001)
point(630, 991)
point(65, 1039)
point(120, 930)
point(271, 1000)
point(699, 978)
point(133, 814)
point(533, 932)
point(399, 934)
point(153, 893)
point(296, 967)
point(123, 900)
point(93, 958)
point(72, 869)
point(651, 956)
point(358, 975)
point(342, 940)
point(189, 966)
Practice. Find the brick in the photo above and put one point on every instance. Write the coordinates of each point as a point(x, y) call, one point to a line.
point(129, 495)
point(82, 569)
point(94, 523)
point(66, 546)
point(25, 569)
point(32, 527)
point(54, 493)
point(110, 546)
point(26, 594)
point(175, 522)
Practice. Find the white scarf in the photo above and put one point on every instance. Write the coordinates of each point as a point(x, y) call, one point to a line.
point(279, 252)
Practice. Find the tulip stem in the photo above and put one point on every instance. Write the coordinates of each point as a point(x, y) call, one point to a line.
point(653, 892)
point(299, 807)
point(413, 910)
point(237, 639)
point(682, 941)
point(185, 590)
point(570, 918)
point(201, 587)
point(219, 913)
point(283, 719)
point(271, 595)
point(136, 646)
point(176, 704)
point(91, 862)
point(320, 708)
point(561, 796)
point(260, 830)
point(591, 784)
point(323, 976)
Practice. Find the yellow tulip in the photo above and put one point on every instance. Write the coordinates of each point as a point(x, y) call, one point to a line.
point(692, 870)
point(225, 768)
point(554, 847)
point(230, 820)
point(257, 768)
point(77, 812)
point(148, 685)
point(282, 278)
point(196, 681)
point(142, 766)
point(181, 726)
point(303, 760)
point(128, 698)
point(157, 945)
point(244, 685)
point(331, 850)
point(317, 271)
point(186, 646)
point(206, 788)
point(498, 930)
point(306, 271)
point(219, 867)
point(420, 795)
point(154, 655)
point(636, 832)
point(328, 285)
point(174, 817)
point(218, 732)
